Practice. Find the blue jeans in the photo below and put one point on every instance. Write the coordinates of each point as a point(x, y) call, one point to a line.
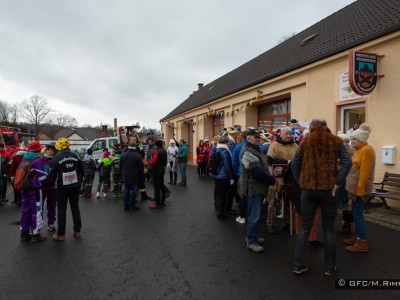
point(254, 205)
point(357, 209)
point(310, 200)
point(182, 169)
point(130, 195)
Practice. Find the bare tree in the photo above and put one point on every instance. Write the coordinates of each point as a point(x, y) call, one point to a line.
point(36, 111)
point(8, 113)
point(13, 113)
point(4, 111)
point(64, 120)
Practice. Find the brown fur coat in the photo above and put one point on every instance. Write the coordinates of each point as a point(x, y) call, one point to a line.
point(319, 153)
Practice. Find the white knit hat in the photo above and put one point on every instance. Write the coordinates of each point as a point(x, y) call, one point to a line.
point(172, 141)
point(343, 136)
point(360, 135)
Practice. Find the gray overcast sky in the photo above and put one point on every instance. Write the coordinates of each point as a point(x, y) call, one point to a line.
point(136, 60)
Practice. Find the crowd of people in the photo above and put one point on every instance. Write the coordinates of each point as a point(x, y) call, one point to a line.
point(304, 171)
point(296, 172)
point(54, 175)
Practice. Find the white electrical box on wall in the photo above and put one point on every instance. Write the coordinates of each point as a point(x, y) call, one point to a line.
point(389, 155)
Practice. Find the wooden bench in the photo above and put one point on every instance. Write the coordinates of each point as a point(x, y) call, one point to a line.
point(389, 188)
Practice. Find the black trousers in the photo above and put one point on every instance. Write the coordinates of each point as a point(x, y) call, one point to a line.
point(105, 181)
point(89, 178)
point(63, 195)
point(222, 193)
point(117, 180)
point(4, 187)
point(159, 191)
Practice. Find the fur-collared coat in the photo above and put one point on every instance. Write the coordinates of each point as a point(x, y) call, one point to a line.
point(319, 153)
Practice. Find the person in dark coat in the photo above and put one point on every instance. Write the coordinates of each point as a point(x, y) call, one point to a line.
point(90, 167)
point(50, 191)
point(132, 174)
point(117, 174)
point(158, 164)
point(224, 179)
point(66, 169)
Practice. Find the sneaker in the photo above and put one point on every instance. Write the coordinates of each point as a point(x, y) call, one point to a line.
point(255, 248)
point(316, 244)
point(57, 237)
point(104, 195)
point(331, 271)
point(51, 227)
point(38, 238)
point(167, 194)
point(81, 195)
point(153, 206)
point(241, 220)
point(272, 230)
point(25, 237)
point(98, 195)
point(77, 234)
point(299, 269)
point(135, 208)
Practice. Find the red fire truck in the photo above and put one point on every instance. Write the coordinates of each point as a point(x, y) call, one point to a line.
point(12, 137)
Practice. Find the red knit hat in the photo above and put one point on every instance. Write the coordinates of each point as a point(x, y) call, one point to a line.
point(34, 147)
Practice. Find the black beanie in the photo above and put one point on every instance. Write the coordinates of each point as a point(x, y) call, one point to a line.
point(159, 143)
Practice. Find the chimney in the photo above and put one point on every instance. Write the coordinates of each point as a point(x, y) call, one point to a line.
point(104, 132)
point(200, 85)
point(116, 130)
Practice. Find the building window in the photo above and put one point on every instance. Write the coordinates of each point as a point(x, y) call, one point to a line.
point(274, 115)
point(218, 124)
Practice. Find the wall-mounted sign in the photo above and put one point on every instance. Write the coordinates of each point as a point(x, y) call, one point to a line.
point(363, 72)
point(346, 93)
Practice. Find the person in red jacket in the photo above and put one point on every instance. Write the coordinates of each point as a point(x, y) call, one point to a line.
point(14, 163)
point(5, 157)
point(201, 160)
point(158, 164)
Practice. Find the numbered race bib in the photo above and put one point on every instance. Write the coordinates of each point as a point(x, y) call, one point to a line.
point(69, 178)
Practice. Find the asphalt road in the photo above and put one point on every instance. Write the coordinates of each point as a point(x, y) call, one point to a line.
point(180, 252)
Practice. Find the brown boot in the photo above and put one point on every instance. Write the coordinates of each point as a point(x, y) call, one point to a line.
point(350, 241)
point(359, 246)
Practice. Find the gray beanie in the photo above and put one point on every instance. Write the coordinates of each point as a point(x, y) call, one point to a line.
point(361, 135)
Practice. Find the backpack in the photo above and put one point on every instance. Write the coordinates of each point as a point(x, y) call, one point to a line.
point(215, 162)
point(21, 179)
point(116, 166)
